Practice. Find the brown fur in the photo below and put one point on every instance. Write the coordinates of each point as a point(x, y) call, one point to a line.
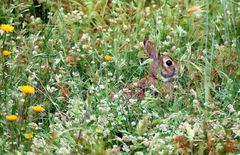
point(157, 67)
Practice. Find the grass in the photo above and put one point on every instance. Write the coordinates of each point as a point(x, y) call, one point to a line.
point(58, 48)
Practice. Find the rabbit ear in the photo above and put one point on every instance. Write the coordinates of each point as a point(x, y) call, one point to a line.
point(151, 50)
point(153, 54)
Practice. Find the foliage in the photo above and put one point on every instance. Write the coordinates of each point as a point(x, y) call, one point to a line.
point(58, 49)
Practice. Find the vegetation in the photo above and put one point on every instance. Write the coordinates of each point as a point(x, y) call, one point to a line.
point(61, 60)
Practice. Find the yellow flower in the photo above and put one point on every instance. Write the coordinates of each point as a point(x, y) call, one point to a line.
point(7, 28)
point(27, 89)
point(38, 108)
point(6, 53)
point(108, 57)
point(11, 117)
point(28, 135)
point(98, 130)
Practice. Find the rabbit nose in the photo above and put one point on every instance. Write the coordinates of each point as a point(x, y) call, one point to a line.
point(169, 62)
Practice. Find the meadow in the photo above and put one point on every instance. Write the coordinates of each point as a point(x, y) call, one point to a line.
point(61, 59)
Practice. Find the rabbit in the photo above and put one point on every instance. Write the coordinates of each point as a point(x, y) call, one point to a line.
point(162, 66)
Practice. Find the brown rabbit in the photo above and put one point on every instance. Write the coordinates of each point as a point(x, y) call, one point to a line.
point(162, 65)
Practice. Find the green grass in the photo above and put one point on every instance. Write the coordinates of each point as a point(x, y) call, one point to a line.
point(58, 47)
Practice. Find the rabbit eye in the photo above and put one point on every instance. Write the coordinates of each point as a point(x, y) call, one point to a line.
point(169, 62)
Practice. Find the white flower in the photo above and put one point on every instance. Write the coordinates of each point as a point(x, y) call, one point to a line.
point(236, 130)
point(166, 43)
point(230, 108)
point(162, 127)
point(101, 86)
point(93, 117)
point(115, 96)
point(110, 74)
point(139, 153)
point(31, 153)
point(181, 31)
point(147, 10)
point(133, 123)
point(125, 148)
point(106, 133)
point(132, 100)
point(38, 143)
point(104, 63)
point(168, 37)
point(127, 40)
point(33, 125)
point(125, 27)
point(147, 143)
point(63, 151)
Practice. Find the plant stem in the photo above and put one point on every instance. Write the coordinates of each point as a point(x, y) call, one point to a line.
point(206, 69)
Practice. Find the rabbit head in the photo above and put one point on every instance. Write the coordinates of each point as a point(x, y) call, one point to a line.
point(163, 64)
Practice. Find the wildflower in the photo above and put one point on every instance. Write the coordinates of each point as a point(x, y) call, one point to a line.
point(11, 117)
point(230, 108)
point(63, 151)
point(127, 40)
point(38, 142)
point(27, 89)
point(180, 31)
point(108, 57)
point(98, 130)
point(236, 130)
point(33, 125)
point(147, 143)
point(28, 135)
point(6, 28)
point(38, 108)
point(6, 53)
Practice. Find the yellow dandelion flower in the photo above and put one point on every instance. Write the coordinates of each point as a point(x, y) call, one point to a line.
point(28, 135)
point(11, 117)
point(6, 28)
point(108, 57)
point(27, 89)
point(38, 108)
point(6, 53)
